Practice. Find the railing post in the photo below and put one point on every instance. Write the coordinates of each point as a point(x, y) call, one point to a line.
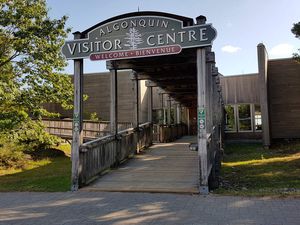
point(77, 119)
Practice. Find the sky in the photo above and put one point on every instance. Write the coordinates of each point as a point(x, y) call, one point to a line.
point(241, 26)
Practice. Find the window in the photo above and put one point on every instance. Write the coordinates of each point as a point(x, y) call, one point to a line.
point(230, 118)
point(257, 118)
point(244, 117)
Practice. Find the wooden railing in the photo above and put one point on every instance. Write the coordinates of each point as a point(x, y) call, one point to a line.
point(167, 133)
point(91, 129)
point(103, 153)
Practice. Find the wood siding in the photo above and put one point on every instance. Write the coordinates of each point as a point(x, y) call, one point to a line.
point(240, 89)
point(284, 98)
point(97, 88)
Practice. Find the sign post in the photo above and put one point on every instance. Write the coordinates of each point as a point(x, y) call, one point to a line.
point(77, 119)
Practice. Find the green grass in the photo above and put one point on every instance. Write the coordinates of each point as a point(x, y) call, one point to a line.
point(49, 171)
point(248, 169)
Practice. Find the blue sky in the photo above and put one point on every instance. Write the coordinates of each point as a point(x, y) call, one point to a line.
point(241, 25)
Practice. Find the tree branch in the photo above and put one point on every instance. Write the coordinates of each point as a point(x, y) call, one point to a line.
point(9, 59)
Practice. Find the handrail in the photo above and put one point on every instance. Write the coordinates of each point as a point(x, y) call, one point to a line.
point(88, 121)
point(97, 141)
point(111, 136)
point(98, 155)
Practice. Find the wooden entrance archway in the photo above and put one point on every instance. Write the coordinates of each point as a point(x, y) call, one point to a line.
point(188, 75)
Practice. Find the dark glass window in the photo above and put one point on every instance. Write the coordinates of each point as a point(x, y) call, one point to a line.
point(244, 112)
point(230, 119)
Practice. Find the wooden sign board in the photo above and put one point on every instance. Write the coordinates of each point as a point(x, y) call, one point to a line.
point(139, 36)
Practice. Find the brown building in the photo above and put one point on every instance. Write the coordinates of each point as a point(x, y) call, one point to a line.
point(264, 103)
point(243, 100)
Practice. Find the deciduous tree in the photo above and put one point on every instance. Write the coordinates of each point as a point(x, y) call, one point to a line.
point(296, 32)
point(31, 64)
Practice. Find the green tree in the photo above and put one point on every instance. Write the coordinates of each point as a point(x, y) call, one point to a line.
point(31, 65)
point(296, 32)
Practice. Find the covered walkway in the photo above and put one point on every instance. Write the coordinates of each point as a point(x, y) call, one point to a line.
point(186, 73)
point(164, 167)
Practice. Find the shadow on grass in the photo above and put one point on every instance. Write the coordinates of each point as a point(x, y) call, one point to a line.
point(49, 171)
point(251, 169)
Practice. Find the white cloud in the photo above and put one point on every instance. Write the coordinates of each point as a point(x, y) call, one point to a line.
point(230, 49)
point(282, 50)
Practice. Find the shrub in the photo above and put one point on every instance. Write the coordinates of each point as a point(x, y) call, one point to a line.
point(11, 155)
point(32, 136)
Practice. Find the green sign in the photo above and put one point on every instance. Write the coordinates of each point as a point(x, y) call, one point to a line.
point(201, 118)
point(139, 36)
point(76, 122)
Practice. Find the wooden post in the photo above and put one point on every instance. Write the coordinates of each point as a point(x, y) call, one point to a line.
point(202, 120)
point(77, 119)
point(136, 103)
point(263, 89)
point(113, 102)
point(188, 121)
point(150, 104)
point(163, 108)
point(175, 112)
point(136, 108)
point(169, 111)
point(178, 114)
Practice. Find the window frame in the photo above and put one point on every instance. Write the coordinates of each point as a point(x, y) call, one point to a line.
point(234, 130)
point(238, 118)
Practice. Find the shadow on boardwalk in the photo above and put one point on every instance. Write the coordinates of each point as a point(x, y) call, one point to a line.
point(163, 168)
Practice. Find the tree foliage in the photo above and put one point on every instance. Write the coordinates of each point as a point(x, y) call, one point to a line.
point(296, 32)
point(31, 64)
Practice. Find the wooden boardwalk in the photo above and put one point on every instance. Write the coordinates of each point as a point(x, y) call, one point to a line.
point(164, 168)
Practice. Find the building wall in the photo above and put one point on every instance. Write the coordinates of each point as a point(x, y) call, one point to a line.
point(97, 88)
point(284, 98)
point(240, 89)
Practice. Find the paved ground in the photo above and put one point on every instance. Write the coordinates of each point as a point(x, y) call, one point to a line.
point(141, 208)
point(164, 168)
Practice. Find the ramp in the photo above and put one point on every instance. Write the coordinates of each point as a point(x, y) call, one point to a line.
point(163, 168)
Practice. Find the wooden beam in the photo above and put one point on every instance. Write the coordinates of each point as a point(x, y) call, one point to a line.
point(150, 83)
point(156, 77)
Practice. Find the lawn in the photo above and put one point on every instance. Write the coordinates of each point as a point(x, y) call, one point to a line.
point(249, 169)
point(48, 171)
